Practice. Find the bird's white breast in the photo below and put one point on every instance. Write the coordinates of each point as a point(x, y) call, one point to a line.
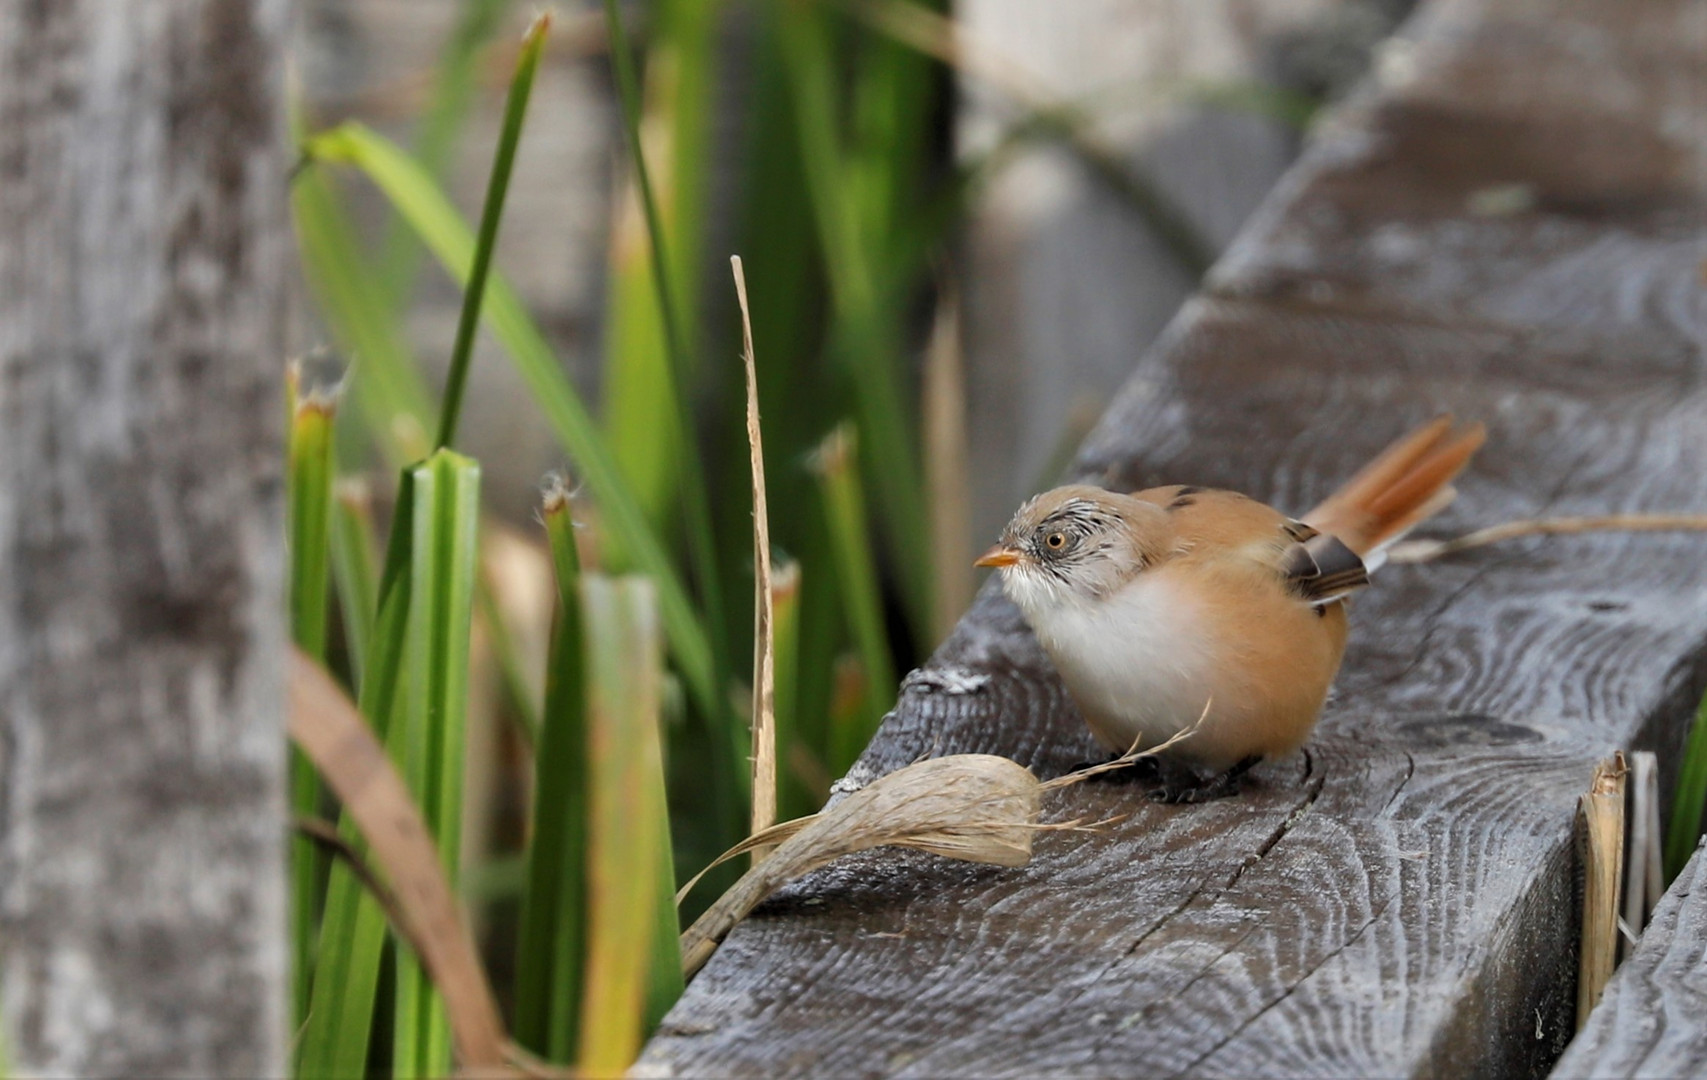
point(1139, 662)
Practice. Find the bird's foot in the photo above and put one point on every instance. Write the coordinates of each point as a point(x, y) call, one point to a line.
point(1144, 769)
point(1194, 789)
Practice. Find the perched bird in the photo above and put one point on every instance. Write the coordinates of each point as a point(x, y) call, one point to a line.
point(1179, 603)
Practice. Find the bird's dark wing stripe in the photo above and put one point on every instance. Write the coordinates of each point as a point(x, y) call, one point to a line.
point(1319, 567)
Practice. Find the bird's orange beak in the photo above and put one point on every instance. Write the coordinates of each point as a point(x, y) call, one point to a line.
point(1000, 555)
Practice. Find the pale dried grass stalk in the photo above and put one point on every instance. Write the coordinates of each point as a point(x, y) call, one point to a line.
point(1421, 551)
point(764, 615)
point(1132, 755)
point(976, 807)
point(1600, 814)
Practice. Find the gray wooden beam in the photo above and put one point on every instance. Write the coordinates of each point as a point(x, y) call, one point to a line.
point(144, 272)
point(1652, 1020)
point(1397, 899)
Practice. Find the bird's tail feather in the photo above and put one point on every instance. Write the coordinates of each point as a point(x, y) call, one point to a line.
point(1404, 485)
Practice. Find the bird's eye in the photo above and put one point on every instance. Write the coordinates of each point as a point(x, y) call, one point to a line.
point(1055, 541)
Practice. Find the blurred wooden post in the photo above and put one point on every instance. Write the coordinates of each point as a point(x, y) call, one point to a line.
point(144, 270)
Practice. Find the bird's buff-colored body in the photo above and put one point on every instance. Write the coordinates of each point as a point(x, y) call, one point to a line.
point(1177, 607)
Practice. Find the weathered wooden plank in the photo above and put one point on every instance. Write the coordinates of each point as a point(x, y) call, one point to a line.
point(1396, 899)
point(1650, 1021)
point(145, 273)
point(1527, 162)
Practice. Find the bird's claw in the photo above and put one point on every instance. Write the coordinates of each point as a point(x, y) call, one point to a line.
point(1144, 769)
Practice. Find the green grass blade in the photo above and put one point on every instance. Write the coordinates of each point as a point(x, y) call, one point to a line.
point(309, 508)
point(335, 1040)
point(454, 85)
point(640, 388)
point(795, 797)
point(664, 980)
point(497, 187)
point(445, 525)
point(507, 655)
point(353, 568)
point(844, 509)
point(1684, 830)
point(865, 339)
point(696, 507)
point(424, 206)
point(387, 385)
point(628, 830)
point(310, 512)
point(551, 950)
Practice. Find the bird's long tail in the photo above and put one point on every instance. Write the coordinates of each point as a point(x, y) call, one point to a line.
point(1406, 484)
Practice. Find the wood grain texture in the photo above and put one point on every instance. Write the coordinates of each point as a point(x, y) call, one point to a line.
point(1397, 899)
point(144, 272)
point(1649, 1022)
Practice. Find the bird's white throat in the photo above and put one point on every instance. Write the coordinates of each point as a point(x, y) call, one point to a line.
point(1138, 661)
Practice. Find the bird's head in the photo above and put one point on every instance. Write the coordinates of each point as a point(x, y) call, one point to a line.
point(1077, 543)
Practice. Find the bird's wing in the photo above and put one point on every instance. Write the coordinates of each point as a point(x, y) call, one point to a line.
point(1315, 566)
point(1318, 566)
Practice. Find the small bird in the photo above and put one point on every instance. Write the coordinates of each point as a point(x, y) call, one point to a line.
point(1179, 606)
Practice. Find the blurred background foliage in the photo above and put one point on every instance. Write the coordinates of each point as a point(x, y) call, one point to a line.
point(816, 139)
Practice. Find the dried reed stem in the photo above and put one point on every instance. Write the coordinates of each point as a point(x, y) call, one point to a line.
point(1600, 813)
point(764, 630)
point(1421, 551)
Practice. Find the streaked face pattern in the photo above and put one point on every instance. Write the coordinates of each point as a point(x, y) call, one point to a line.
point(1074, 543)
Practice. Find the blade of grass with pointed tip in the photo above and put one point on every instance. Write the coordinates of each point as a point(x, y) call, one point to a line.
point(844, 509)
point(552, 947)
point(1684, 829)
point(628, 829)
point(491, 214)
point(448, 236)
point(309, 509)
point(445, 526)
point(335, 1040)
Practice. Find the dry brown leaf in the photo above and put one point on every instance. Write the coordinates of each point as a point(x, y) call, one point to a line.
point(764, 612)
point(331, 732)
